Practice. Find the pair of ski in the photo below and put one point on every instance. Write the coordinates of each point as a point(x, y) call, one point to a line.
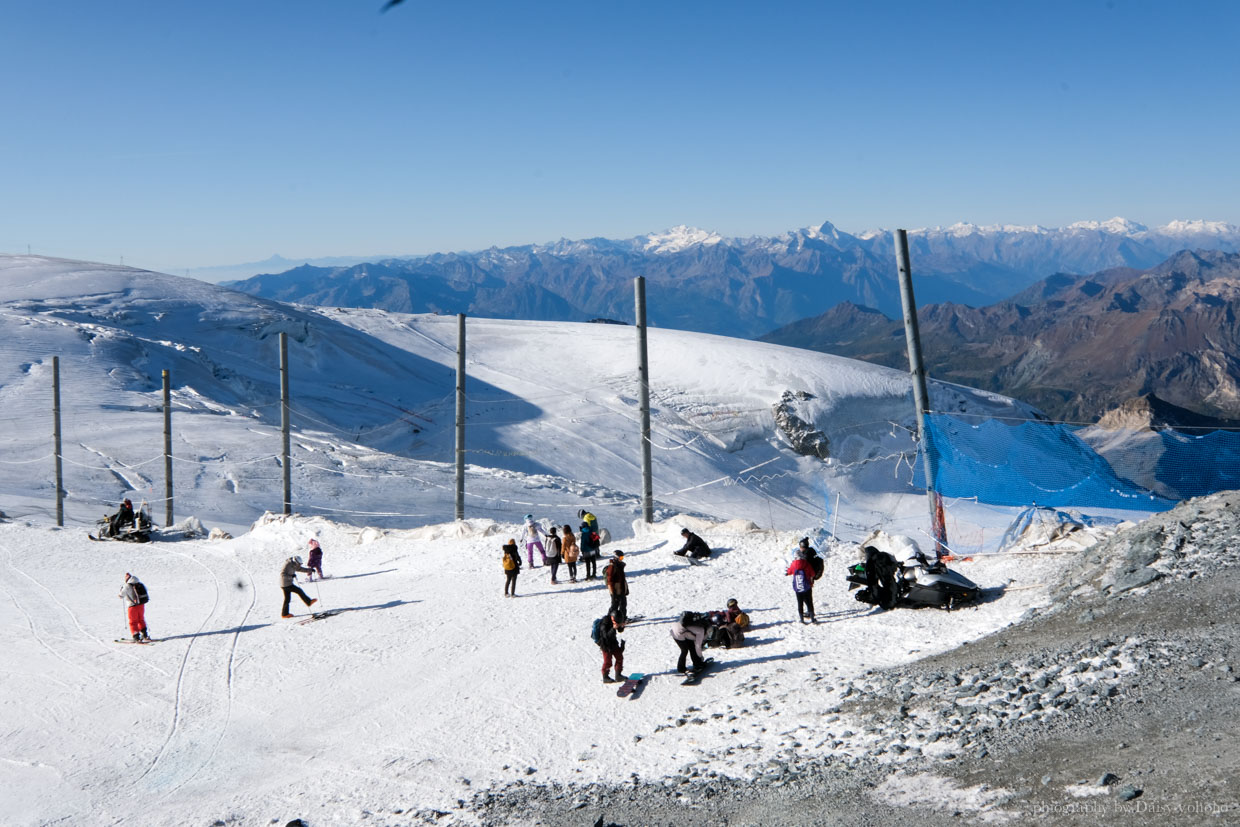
point(138, 642)
point(317, 616)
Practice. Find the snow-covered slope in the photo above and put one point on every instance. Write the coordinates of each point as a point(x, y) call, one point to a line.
point(428, 686)
point(373, 409)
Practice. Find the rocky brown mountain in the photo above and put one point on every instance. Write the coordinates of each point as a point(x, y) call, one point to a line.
point(1074, 346)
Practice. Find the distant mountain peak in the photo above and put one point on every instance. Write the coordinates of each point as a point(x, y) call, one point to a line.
point(679, 238)
point(1117, 225)
point(1198, 227)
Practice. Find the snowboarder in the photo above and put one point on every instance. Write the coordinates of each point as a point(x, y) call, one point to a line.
point(512, 567)
point(802, 573)
point(288, 577)
point(554, 548)
point(316, 560)
point(570, 552)
point(689, 632)
point(606, 629)
point(694, 545)
point(589, 548)
point(617, 587)
point(123, 517)
point(134, 595)
point(530, 535)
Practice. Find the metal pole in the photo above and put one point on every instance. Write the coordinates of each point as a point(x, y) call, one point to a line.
point(643, 381)
point(167, 449)
point(60, 488)
point(460, 416)
point(917, 368)
point(284, 425)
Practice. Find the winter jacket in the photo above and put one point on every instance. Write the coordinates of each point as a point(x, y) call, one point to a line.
point(608, 641)
point(512, 558)
point(532, 532)
point(316, 557)
point(554, 544)
point(692, 632)
point(129, 593)
point(289, 573)
point(591, 521)
point(802, 565)
point(589, 542)
point(695, 546)
point(570, 551)
point(614, 575)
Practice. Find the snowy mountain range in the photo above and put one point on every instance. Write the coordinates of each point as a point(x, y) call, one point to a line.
point(699, 280)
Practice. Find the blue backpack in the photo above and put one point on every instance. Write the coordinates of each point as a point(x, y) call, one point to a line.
point(596, 631)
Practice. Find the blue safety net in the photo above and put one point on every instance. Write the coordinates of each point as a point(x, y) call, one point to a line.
point(1027, 463)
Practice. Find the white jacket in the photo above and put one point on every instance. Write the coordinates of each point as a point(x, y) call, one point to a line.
point(695, 633)
point(532, 532)
point(129, 593)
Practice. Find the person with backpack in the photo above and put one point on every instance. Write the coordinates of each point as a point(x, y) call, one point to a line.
point(815, 561)
point(570, 552)
point(554, 548)
point(135, 596)
point(530, 536)
point(802, 573)
point(617, 586)
point(589, 543)
point(605, 633)
point(315, 563)
point(694, 546)
point(512, 567)
point(689, 632)
point(288, 578)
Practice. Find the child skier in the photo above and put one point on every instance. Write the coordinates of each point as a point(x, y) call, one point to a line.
point(316, 560)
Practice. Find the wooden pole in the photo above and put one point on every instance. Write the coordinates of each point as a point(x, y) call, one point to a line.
point(285, 451)
point(643, 381)
point(460, 416)
point(917, 368)
point(60, 488)
point(167, 449)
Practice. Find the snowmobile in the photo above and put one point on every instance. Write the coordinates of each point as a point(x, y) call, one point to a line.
point(138, 532)
point(913, 581)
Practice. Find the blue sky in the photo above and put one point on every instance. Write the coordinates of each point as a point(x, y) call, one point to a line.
point(182, 134)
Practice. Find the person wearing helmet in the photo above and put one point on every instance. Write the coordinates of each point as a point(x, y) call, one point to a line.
point(288, 578)
point(531, 536)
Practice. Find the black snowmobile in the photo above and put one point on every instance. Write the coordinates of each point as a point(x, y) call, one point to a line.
point(112, 528)
point(916, 582)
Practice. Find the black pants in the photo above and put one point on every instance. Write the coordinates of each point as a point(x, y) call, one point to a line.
point(619, 606)
point(289, 591)
point(572, 570)
point(510, 581)
point(688, 649)
point(555, 566)
point(591, 567)
point(805, 605)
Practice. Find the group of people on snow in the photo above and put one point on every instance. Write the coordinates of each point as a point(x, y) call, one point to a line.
point(566, 548)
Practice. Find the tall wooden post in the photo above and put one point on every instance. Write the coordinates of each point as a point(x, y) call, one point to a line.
point(60, 488)
point(917, 368)
point(643, 380)
point(285, 452)
point(460, 416)
point(167, 449)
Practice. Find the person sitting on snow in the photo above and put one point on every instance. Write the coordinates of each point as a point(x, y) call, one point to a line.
point(694, 545)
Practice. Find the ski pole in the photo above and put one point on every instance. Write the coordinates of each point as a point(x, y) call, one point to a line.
point(317, 594)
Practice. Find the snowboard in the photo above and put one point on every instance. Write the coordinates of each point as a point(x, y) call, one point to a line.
point(630, 686)
point(695, 675)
